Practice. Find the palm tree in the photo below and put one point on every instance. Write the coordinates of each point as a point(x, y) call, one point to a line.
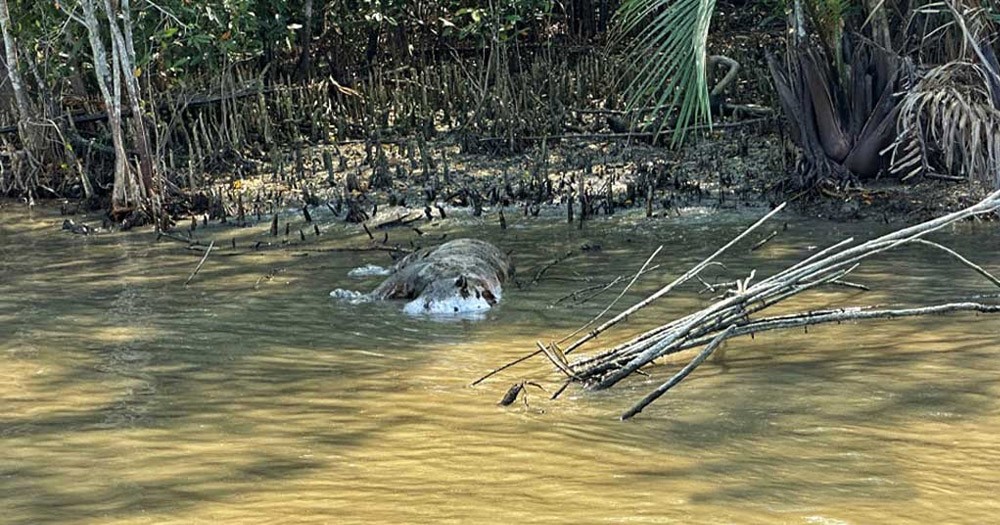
point(839, 88)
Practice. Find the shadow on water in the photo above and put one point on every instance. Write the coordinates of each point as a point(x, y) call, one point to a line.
point(765, 433)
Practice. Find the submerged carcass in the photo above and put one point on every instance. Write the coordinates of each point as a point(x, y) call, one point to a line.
point(464, 275)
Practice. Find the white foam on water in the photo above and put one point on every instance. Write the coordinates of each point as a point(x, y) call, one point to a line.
point(350, 296)
point(368, 270)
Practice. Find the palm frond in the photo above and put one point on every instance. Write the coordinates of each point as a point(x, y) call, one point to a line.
point(949, 118)
point(666, 44)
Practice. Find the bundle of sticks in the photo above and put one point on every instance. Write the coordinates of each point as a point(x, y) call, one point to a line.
point(743, 309)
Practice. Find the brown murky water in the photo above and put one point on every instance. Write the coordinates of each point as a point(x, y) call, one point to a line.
point(126, 397)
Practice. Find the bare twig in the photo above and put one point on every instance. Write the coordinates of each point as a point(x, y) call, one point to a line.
point(558, 359)
point(620, 295)
point(735, 313)
point(961, 259)
point(200, 263)
point(548, 266)
point(760, 244)
point(598, 289)
point(679, 376)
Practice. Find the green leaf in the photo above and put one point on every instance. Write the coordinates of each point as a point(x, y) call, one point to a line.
point(666, 46)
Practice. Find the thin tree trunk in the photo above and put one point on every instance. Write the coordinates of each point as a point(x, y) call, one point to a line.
point(125, 192)
point(125, 56)
point(53, 113)
point(24, 110)
point(305, 56)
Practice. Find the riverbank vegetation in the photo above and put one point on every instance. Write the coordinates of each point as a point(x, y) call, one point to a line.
point(155, 111)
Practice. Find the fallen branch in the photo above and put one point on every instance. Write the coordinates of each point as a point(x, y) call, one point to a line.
point(692, 273)
point(679, 376)
point(961, 259)
point(760, 244)
point(598, 289)
point(548, 266)
point(737, 311)
point(200, 263)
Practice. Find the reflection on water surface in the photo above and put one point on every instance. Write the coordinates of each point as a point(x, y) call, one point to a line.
point(130, 398)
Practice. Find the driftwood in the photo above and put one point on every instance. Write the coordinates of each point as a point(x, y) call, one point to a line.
point(740, 311)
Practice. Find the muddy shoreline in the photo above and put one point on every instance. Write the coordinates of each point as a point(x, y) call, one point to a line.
point(730, 169)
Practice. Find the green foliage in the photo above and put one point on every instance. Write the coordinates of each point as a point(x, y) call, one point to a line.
point(666, 43)
point(37, 28)
point(183, 36)
point(507, 20)
point(195, 38)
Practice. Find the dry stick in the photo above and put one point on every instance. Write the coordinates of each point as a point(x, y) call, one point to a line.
point(549, 265)
point(600, 288)
point(200, 263)
point(677, 282)
point(620, 295)
point(559, 363)
point(525, 357)
point(807, 319)
point(783, 280)
point(499, 369)
point(760, 244)
point(679, 376)
point(858, 313)
point(617, 280)
point(848, 284)
point(961, 259)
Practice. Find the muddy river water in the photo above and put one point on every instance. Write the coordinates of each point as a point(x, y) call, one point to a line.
point(251, 396)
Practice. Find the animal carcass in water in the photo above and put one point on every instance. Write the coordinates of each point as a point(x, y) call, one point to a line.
point(464, 275)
